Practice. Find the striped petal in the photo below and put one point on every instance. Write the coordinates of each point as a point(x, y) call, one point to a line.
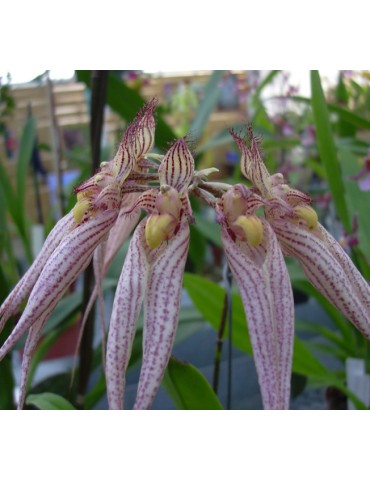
point(126, 308)
point(23, 288)
point(161, 313)
point(177, 167)
point(251, 163)
point(329, 269)
point(122, 228)
point(264, 285)
point(156, 275)
point(62, 268)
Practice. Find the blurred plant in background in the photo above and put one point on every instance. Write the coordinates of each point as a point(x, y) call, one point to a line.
point(320, 144)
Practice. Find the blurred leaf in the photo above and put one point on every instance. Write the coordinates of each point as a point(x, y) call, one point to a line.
point(327, 149)
point(208, 297)
point(219, 139)
point(65, 308)
point(266, 81)
point(127, 102)
point(345, 129)
point(328, 334)
point(317, 168)
point(188, 387)
point(358, 201)
point(6, 371)
point(208, 103)
point(340, 323)
point(197, 248)
point(11, 202)
point(45, 345)
point(210, 230)
point(343, 113)
point(49, 401)
point(26, 146)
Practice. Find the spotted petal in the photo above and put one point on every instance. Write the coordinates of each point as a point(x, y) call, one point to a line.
point(329, 269)
point(156, 275)
point(70, 258)
point(23, 288)
point(264, 285)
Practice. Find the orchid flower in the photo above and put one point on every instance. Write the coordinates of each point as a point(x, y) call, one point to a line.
point(71, 244)
point(152, 276)
point(254, 246)
point(257, 264)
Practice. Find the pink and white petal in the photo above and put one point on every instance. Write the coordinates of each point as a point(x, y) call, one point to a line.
point(32, 341)
point(251, 163)
point(354, 276)
point(126, 308)
point(177, 167)
point(23, 288)
point(328, 269)
point(267, 297)
point(161, 312)
point(123, 227)
point(70, 258)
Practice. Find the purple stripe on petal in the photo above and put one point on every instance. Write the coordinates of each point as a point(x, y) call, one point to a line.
point(161, 312)
point(329, 269)
point(69, 259)
point(264, 285)
point(177, 167)
point(30, 347)
point(122, 229)
point(126, 308)
point(24, 286)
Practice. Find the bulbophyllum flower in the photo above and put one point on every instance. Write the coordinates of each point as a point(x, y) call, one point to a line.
point(257, 264)
point(71, 244)
point(152, 277)
point(324, 261)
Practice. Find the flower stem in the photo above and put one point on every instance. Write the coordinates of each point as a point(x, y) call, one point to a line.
point(226, 319)
point(99, 83)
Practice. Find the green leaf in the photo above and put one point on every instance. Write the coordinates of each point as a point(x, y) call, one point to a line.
point(343, 113)
point(268, 79)
point(197, 248)
point(127, 102)
point(208, 297)
point(210, 230)
point(358, 201)
point(188, 387)
point(26, 146)
point(49, 401)
point(208, 103)
point(341, 324)
point(327, 149)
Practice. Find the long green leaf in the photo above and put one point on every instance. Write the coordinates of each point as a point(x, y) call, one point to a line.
point(188, 387)
point(208, 297)
point(127, 102)
point(327, 149)
point(49, 401)
point(208, 103)
point(268, 79)
point(345, 114)
point(26, 146)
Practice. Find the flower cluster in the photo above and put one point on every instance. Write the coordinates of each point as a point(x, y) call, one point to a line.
point(260, 225)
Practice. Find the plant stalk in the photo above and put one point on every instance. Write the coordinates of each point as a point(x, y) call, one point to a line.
point(99, 83)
